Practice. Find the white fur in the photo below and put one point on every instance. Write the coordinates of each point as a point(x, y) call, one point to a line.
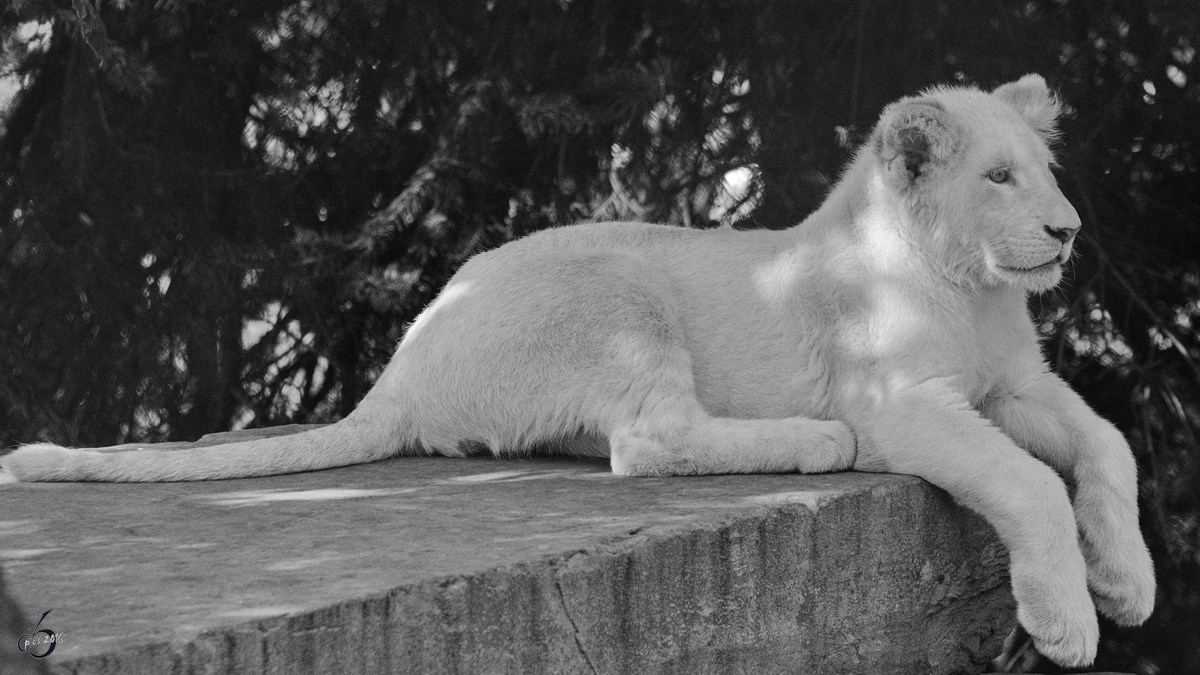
point(888, 332)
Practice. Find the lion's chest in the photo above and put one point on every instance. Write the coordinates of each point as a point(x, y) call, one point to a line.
point(905, 335)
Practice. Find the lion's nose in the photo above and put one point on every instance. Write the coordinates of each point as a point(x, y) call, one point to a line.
point(1063, 234)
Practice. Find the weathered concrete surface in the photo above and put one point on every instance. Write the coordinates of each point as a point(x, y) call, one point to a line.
point(440, 565)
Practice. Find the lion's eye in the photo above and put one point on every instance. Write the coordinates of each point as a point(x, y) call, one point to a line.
point(999, 175)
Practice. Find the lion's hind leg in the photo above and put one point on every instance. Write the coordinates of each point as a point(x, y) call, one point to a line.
point(639, 392)
point(719, 445)
point(667, 432)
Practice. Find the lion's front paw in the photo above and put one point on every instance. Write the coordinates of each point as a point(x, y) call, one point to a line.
point(1062, 622)
point(1123, 586)
point(1068, 641)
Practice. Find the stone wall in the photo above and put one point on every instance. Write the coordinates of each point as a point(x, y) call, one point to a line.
point(437, 565)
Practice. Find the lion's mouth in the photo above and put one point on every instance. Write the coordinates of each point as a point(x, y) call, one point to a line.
point(1029, 270)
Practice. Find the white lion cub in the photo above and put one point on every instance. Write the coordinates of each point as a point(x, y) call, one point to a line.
point(887, 332)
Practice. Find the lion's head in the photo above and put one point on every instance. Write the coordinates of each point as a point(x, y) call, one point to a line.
point(975, 170)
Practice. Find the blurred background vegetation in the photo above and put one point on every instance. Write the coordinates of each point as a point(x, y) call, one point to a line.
point(217, 214)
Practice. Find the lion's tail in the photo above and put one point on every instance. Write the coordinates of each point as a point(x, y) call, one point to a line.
point(351, 441)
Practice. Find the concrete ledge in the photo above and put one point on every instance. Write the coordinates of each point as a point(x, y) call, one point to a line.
point(437, 565)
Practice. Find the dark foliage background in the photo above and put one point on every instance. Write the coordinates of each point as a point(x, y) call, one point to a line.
point(220, 213)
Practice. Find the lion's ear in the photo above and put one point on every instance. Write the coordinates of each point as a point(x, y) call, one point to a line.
point(1034, 101)
point(914, 136)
